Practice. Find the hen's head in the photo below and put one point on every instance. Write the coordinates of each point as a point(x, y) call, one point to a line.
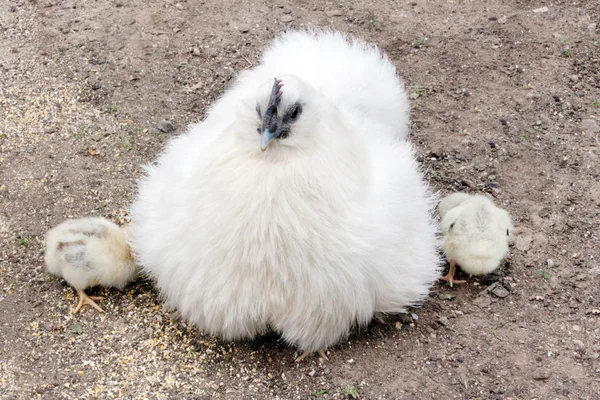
point(286, 111)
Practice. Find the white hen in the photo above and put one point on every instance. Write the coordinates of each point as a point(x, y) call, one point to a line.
point(307, 227)
point(476, 234)
point(90, 251)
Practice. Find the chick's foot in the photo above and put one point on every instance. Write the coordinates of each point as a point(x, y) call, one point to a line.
point(89, 300)
point(449, 277)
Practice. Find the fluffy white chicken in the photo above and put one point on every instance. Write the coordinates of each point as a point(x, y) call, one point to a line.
point(296, 205)
point(476, 234)
point(90, 251)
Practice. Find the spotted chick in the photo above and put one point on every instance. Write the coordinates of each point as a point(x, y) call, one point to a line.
point(90, 251)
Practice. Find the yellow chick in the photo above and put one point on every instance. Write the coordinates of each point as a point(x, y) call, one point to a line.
point(90, 251)
point(476, 234)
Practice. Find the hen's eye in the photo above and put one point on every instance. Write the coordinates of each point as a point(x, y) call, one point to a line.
point(296, 111)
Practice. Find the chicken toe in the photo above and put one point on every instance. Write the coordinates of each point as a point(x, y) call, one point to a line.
point(307, 353)
point(449, 277)
point(89, 300)
point(323, 355)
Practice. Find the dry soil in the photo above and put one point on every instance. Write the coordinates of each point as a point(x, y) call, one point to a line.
point(505, 100)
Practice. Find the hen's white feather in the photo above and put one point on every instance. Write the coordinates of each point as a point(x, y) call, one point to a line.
point(90, 251)
point(476, 232)
point(309, 237)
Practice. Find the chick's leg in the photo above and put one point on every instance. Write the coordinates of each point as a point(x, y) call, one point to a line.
point(89, 300)
point(449, 277)
point(306, 353)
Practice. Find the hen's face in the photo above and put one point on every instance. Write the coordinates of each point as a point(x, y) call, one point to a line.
point(281, 110)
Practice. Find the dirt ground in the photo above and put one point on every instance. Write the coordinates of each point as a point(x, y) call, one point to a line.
point(505, 100)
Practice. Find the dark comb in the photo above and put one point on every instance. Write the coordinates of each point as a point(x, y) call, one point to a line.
point(273, 102)
point(275, 93)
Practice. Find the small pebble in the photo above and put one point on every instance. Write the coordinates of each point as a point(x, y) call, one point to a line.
point(334, 13)
point(488, 289)
point(166, 126)
point(76, 328)
point(574, 78)
point(541, 374)
point(500, 292)
point(524, 241)
point(590, 126)
point(405, 318)
point(287, 18)
point(212, 52)
point(544, 212)
point(467, 183)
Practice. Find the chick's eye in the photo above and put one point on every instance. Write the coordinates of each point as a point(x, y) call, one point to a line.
point(507, 233)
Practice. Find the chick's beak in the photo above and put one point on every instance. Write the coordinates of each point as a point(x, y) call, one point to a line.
point(266, 137)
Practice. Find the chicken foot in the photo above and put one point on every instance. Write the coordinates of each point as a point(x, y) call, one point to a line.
point(89, 300)
point(449, 277)
point(306, 353)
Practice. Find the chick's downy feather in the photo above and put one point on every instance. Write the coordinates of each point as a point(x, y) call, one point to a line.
point(90, 251)
point(329, 224)
point(476, 232)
